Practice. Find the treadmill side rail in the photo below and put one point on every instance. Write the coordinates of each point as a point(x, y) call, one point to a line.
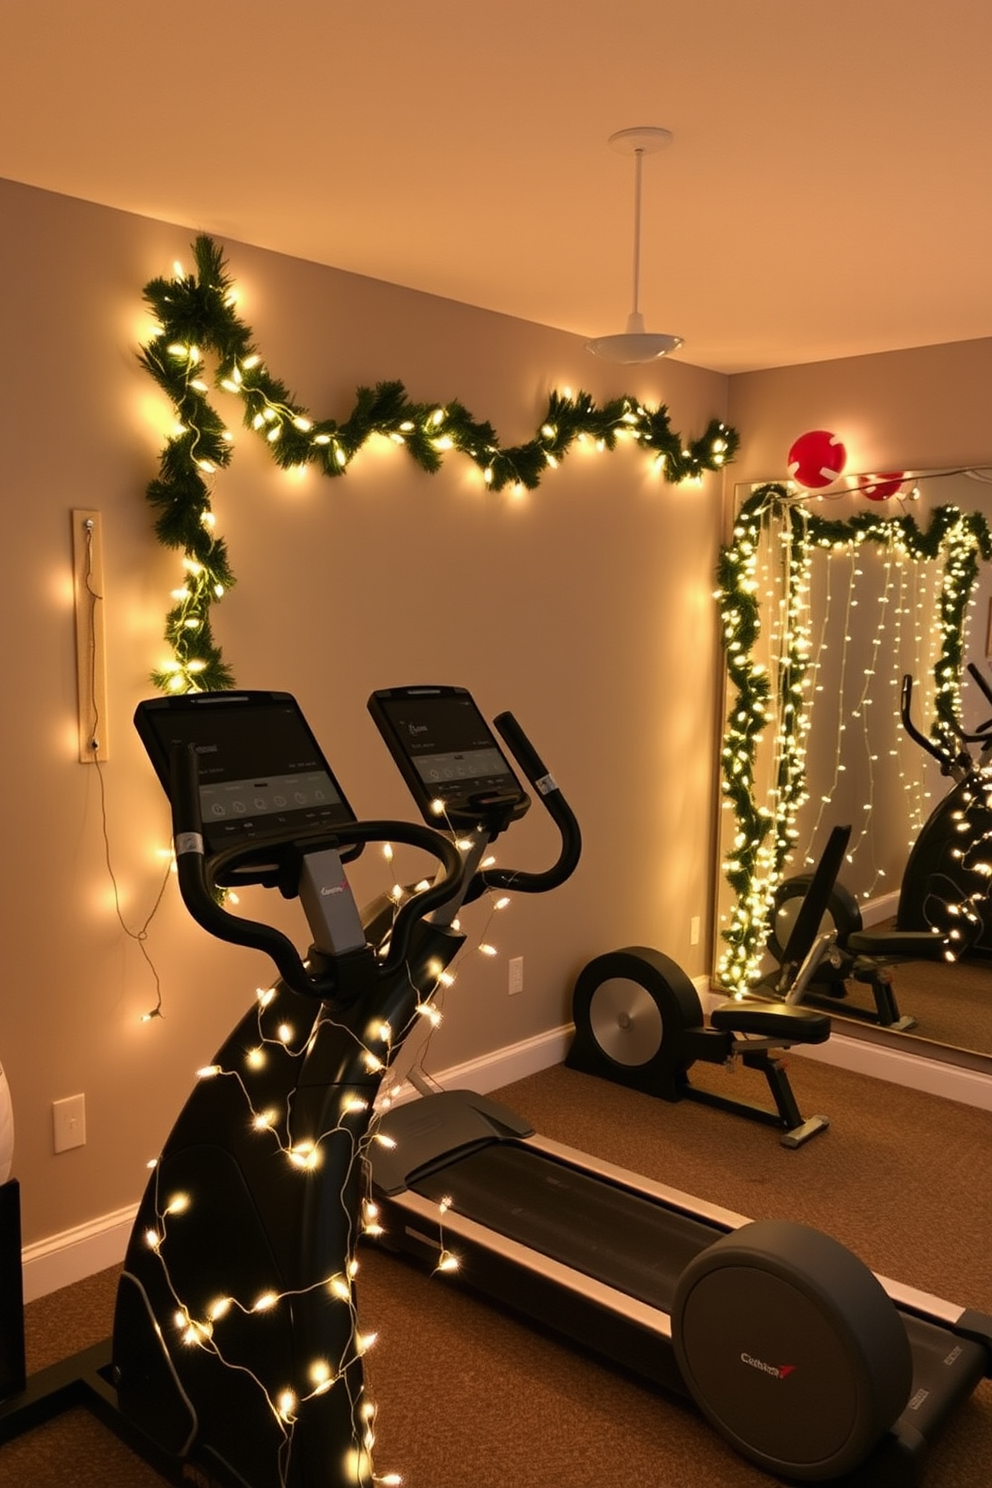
point(535, 1286)
point(432, 1131)
point(963, 1320)
point(422, 1215)
point(674, 1198)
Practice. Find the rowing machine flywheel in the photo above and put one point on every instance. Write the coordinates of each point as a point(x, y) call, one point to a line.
point(631, 1009)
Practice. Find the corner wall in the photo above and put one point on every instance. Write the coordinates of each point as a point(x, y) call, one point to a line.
point(924, 409)
point(585, 607)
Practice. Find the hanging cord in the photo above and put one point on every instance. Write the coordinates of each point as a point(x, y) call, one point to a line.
point(140, 936)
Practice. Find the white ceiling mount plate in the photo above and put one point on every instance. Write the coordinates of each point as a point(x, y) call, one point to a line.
point(644, 137)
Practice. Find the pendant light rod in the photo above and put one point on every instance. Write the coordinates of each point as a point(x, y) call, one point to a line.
point(643, 139)
point(638, 168)
point(636, 344)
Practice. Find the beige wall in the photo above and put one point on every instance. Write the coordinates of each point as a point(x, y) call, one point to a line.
point(585, 607)
point(899, 410)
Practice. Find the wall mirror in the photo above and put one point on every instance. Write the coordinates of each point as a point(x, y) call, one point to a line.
point(830, 622)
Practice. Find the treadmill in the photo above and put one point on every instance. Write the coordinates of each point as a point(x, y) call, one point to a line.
point(806, 1362)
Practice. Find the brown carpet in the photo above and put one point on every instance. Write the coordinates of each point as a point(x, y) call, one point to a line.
point(951, 1005)
point(472, 1398)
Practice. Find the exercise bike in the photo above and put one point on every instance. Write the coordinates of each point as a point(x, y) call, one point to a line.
point(808, 1364)
point(236, 1356)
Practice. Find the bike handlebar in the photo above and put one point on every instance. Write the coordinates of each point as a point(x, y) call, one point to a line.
point(547, 788)
point(949, 763)
point(197, 880)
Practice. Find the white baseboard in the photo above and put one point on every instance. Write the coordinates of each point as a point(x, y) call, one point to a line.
point(63, 1259)
point(899, 1066)
point(69, 1257)
point(490, 1071)
point(932, 1076)
point(879, 909)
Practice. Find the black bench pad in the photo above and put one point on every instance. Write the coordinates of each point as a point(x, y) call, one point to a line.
point(792, 1023)
point(907, 945)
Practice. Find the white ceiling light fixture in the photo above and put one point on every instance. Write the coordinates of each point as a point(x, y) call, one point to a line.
point(637, 344)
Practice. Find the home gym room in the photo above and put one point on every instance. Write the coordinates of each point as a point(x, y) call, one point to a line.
point(580, 592)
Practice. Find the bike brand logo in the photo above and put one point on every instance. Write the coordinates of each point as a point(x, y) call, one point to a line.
point(777, 1371)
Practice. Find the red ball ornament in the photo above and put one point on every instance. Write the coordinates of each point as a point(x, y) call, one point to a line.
point(883, 485)
point(816, 459)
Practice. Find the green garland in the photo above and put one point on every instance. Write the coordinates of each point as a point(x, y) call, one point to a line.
point(766, 835)
point(196, 315)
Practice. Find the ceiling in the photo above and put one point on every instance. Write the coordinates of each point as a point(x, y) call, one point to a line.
point(828, 191)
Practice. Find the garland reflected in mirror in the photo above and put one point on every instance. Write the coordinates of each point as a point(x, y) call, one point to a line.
point(828, 603)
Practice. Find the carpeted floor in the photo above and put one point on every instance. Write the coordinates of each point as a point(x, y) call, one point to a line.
point(472, 1398)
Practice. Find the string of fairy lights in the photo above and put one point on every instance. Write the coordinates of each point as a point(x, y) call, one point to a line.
point(304, 1152)
point(196, 318)
point(773, 678)
point(359, 1124)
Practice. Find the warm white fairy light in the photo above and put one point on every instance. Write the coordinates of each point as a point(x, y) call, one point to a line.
point(287, 1400)
point(305, 1155)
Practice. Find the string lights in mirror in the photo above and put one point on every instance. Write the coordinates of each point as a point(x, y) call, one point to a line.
point(771, 672)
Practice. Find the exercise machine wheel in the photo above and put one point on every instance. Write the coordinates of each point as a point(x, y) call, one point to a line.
point(791, 1348)
point(632, 1009)
point(842, 914)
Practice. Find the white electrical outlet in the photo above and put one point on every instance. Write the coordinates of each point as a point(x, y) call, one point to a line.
point(69, 1122)
point(516, 975)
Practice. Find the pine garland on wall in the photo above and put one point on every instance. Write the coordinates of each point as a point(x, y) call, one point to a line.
point(759, 702)
point(196, 316)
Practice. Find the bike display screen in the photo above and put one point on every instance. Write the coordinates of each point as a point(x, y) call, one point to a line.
point(447, 753)
point(261, 772)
